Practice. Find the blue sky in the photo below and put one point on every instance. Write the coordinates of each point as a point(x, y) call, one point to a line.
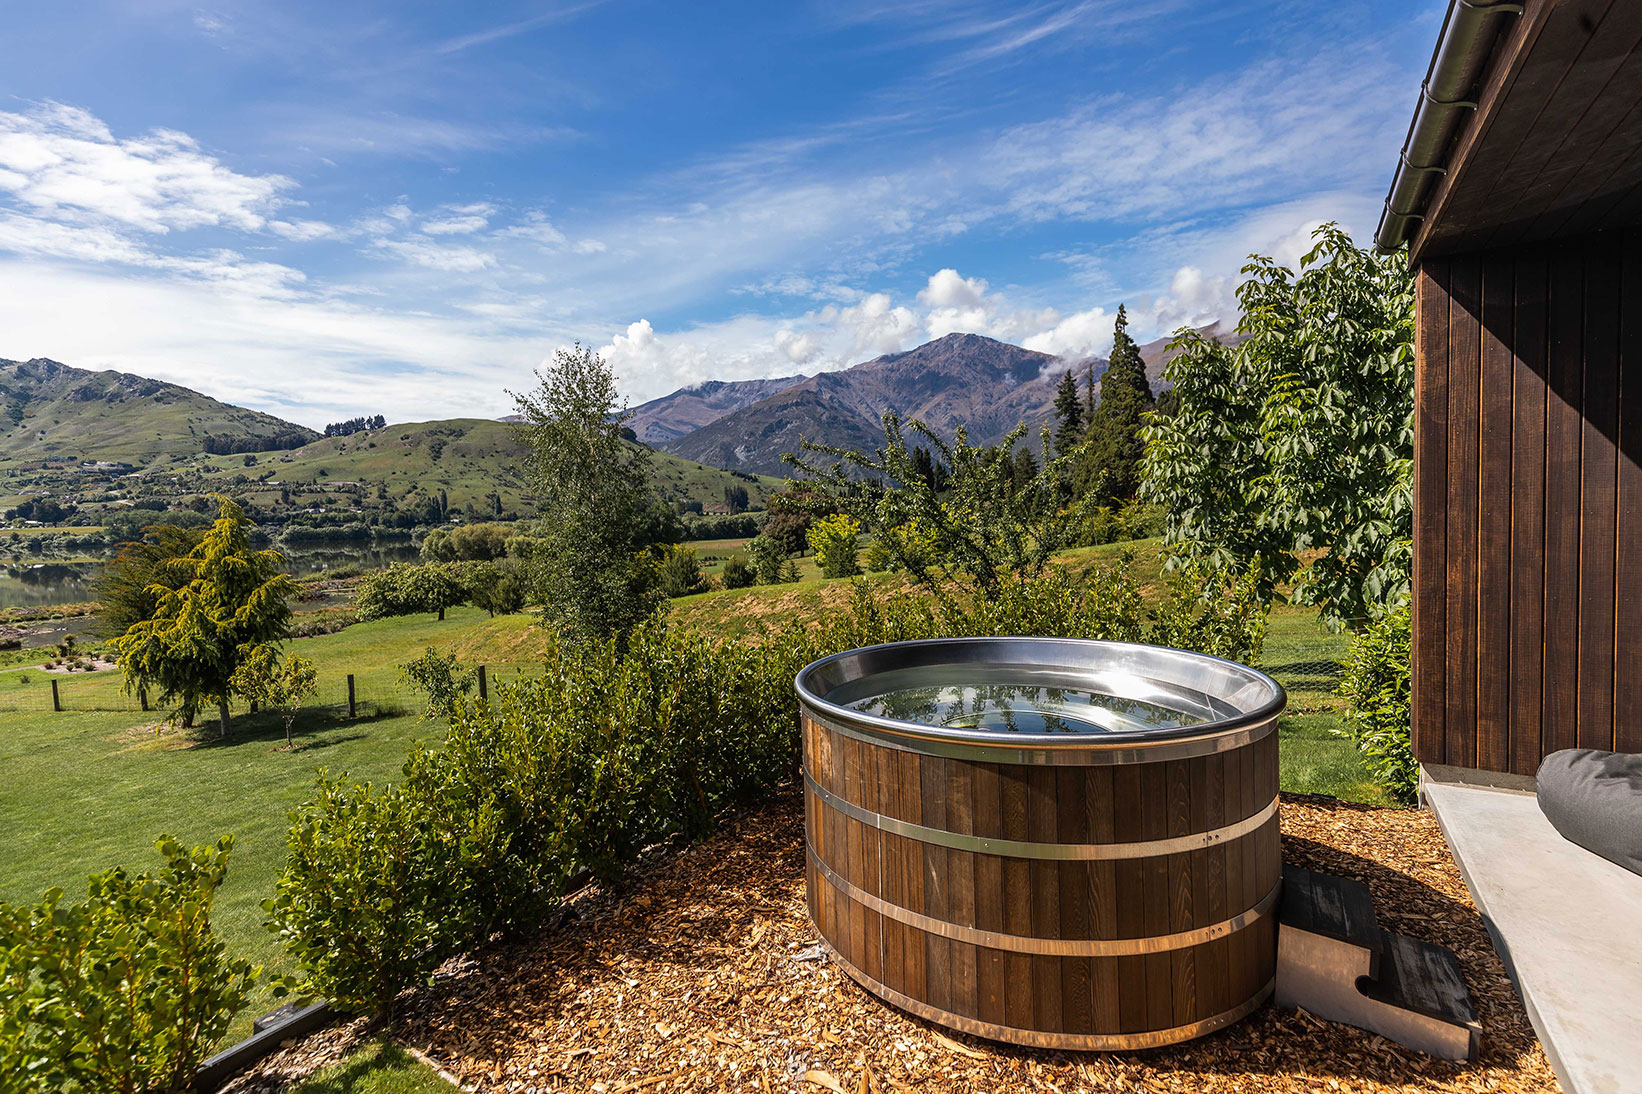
point(326, 209)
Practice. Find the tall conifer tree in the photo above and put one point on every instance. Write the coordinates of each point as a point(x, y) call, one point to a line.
point(1068, 413)
point(1115, 445)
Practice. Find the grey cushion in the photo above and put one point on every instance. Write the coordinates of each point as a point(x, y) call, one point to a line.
point(1595, 799)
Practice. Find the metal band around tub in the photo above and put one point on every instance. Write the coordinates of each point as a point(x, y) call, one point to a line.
point(1065, 852)
point(1080, 750)
point(1048, 947)
point(1095, 1042)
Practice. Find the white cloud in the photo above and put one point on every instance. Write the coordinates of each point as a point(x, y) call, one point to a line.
point(437, 256)
point(460, 220)
point(301, 231)
point(947, 289)
point(61, 161)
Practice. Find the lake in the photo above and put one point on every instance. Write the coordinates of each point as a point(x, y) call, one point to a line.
point(27, 584)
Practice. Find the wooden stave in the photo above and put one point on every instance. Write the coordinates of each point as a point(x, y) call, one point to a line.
point(986, 990)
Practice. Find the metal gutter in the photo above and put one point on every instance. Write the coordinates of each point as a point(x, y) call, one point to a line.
point(1469, 33)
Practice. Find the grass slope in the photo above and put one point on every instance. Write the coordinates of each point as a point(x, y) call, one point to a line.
point(53, 411)
point(468, 458)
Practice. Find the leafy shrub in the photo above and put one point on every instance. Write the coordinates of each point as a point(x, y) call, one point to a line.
point(436, 675)
point(679, 574)
point(622, 744)
point(834, 539)
point(1379, 722)
point(737, 575)
point(367, 902)
point(769, 561)
point(404, 589)
point(124, 992)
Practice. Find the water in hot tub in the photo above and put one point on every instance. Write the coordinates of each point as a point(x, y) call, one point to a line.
point(1021, 708)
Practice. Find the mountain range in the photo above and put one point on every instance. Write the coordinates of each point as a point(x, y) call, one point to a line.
point(984, 385)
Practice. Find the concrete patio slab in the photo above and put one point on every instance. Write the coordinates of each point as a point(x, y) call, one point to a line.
point(1567, 924)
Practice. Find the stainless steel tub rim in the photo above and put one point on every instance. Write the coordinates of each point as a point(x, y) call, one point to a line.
point(1236, 703)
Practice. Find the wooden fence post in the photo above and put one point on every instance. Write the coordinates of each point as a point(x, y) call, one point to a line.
point(483, 693)
point(353, 710)
point(56, 699)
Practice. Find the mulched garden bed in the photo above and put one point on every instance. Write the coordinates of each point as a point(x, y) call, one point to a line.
point(704, 975)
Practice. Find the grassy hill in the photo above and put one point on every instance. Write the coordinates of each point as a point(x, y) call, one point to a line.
point(51, 411)
point(470, 459)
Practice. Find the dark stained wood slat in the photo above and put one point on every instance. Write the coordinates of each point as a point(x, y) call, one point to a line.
point(1182, 894)
point(870, 869)
point(1494, 515)
point(1430, 562)
point(1099, 804)
point(1131, 913)
point(1628, 551)
point(1546, 169)
point(1464, 408)
point(1155, 810)
point(1599, 485)
point(1592, 163)
point(913, 952)
point(1513, 92)
point(1528, 384)
point(1076, 973)
point(1564, 401)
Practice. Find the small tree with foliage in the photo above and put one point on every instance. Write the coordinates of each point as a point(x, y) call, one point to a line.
point(738, 575)
point(278, 682)
point(496, 587)
point(680, 574)
point(130, 586)
point(835, 542)
point(593, 493)
point(769, 560)
point(1300, 438)
point(983, 530)
point(407, 589)
point(225, 599)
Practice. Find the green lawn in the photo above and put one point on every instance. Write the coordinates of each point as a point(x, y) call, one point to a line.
point(85, 790)
point(377, 1068)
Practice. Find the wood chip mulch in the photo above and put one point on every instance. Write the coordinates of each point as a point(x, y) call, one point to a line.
point(704, 975)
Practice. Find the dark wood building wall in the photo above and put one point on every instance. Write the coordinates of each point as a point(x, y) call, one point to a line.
point(1528, 503)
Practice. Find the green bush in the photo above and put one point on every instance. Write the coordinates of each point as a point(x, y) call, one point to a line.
point(834, 539)
point(769, 561)
point(437, 676)
point(622, 744)
point(1379, 722)
point(124, 992)
point(368, 901)
point(737, 574)
point(679, 574)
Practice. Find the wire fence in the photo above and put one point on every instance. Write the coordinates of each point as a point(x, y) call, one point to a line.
point(368, 693)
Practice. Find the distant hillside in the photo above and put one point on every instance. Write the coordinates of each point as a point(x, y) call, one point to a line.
point(670, 417)
point(985, 385)
point(988, 386)
point(470, 459)
point(49, 410)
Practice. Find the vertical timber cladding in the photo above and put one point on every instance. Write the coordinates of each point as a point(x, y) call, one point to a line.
point(1116, 905)
point(1528, 503)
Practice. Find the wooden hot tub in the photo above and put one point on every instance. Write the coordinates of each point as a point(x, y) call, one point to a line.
point(1054, 842)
